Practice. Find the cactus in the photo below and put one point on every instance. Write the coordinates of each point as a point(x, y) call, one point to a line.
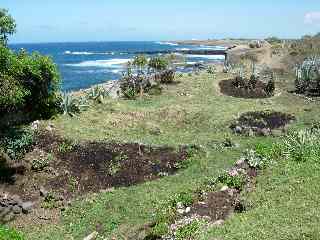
point(308, 76)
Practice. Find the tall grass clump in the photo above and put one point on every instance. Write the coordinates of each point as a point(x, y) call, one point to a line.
point(302, 145)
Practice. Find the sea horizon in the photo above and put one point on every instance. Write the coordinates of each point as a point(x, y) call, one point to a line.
point(84, 64)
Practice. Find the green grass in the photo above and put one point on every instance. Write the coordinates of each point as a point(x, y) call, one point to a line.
point(10, 234)
point(192, 112)
point(285, 205)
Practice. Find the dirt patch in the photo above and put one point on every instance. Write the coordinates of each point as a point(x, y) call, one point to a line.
point(217, 206)
point(261, 123)
point(57, 170)
point(94, 166)
point(227, 87)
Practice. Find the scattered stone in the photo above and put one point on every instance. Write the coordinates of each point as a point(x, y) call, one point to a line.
point(50, 127)
point(35, 125)
point(27, 207)
point(43, 192)
point(92, 236)
point(224, 188)
point(277, 132)
point(16, 209)
point(180, 211)
point(218, 223)
point(251, 133)
point(238, 129)
point(16, 200)
point(264, 132)
point(188, 209)
point(240, 163)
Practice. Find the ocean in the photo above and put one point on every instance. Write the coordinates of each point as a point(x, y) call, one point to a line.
point(82, 65)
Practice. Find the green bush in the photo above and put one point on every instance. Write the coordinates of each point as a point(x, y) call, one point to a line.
point(14, 96)
point(167, 76)
point(10, 234)
point(158, 63)
point(133, 85)
point(16, 142)
point(32, 82)
point(189, 231)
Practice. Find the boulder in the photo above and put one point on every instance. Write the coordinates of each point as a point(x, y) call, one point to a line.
point(27, 207)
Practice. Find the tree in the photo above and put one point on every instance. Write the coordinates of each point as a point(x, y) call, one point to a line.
point(7, 26)
point(140, 63)
point(158, 63)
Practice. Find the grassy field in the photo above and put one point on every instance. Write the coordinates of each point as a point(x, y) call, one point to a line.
point(192, 112)
point(285, 205)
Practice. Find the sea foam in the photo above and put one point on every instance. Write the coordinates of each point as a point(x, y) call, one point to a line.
point(209, 57)
point(88, 53)
point(168, 43)
point(110, 63)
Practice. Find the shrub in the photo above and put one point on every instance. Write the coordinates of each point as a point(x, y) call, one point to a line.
point(189, 231)
point(158, 63)
point(14, 94)
point(133, 85)
point(166, 211)
point(140, 62)
point(254, 159)
point(212, 71)
point(41, 162)
point(17, 142)
point(235, 181)
point(167, 76)
point(32, 82)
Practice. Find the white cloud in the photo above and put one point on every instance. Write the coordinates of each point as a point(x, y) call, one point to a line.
point(312, 17)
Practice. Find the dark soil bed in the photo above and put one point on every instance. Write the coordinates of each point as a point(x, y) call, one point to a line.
point(218, 205)
point(261, 123)
point(227, 87)
point(77, 169)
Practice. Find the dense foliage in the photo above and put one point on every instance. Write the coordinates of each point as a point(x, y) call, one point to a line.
point(145, 76)
point(29, 84)
point(7, 26)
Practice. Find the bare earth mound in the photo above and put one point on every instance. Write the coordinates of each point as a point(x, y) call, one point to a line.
point(57, 170)
point(227, 87)
point(261, 123)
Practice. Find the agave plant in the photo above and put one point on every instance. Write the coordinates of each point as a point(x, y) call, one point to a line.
point(98, 94)
point(212, 71)
point(71, 105)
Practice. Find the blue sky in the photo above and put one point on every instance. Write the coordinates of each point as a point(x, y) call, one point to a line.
point(112, 20)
